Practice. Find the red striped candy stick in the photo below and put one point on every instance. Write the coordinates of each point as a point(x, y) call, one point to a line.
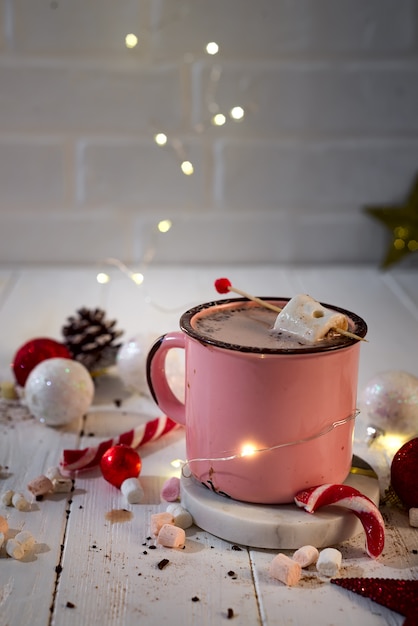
point(75, 460)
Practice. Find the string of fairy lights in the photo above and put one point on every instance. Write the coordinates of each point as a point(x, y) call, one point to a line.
point(217, 118)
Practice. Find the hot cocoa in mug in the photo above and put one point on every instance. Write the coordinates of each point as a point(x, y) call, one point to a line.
point(266, 415)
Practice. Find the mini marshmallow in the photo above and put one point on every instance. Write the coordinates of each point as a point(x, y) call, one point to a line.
point(182, 517)
point(20, 503)
point(6, 497)
point(4, 525)
point(413, 517)
point(306, 555)
point(329, 562)
point(53, 472)
point(171, 536)
point(60, 483)
point(158, 520)
point(285, 569)
point(14, 549)
point(133, 491)
point(171, 489)
point(40, 486)
point(26, 540)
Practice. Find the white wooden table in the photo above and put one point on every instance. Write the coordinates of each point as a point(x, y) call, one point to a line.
point(86, 570)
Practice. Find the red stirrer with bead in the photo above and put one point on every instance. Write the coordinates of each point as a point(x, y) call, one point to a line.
point(224, 285)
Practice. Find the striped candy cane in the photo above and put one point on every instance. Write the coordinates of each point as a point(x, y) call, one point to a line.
point(76, 460)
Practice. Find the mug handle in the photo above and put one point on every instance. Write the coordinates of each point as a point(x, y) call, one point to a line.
point(157, 377)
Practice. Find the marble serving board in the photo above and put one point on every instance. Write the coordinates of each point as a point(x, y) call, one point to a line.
point(283, 526)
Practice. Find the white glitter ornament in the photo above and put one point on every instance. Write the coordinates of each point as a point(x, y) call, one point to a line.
point(389, 402)
point(131, 362)
point(58, 391)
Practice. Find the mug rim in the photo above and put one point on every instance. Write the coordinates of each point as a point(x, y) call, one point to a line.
point(187, 328)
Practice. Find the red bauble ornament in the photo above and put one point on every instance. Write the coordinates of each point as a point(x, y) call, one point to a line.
point(119, 463)
point(32, 353)
point(404, 472)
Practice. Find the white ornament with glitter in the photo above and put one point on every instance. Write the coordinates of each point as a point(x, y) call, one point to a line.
point(131, 362)
point(59, 391)
point(389, 402)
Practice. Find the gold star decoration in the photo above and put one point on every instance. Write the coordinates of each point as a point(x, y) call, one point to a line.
point(402, 221)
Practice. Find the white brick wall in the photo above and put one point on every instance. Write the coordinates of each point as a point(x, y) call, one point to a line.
point(330, 91)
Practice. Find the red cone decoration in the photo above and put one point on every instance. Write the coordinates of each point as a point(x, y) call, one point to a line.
point(398, 595)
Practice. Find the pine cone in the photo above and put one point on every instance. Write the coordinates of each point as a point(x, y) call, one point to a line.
point(90, 338)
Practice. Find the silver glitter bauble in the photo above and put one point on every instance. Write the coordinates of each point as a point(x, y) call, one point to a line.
point(389, 402)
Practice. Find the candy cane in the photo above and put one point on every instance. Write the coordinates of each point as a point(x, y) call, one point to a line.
point(348, 497)
point(75, 460)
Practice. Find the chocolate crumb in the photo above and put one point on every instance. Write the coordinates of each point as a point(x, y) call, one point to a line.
point(152, 547)
point(70, 605)
point(230, 613)
point(237, 548)
point(414, 551)
point(145, 552)
point(163, 563)
point(118, 402)
point(232, 573)
point(39, 497)
point(149, 538)
point(195, 599)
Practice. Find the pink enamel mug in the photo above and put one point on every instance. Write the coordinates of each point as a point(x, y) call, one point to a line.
point(263, 418)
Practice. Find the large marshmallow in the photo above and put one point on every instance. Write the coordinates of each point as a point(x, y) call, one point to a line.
point(305, 318)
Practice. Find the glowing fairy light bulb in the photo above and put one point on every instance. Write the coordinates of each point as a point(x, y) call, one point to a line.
point(131, 40)
point(137, 278)
point(248, 449)
point(102, 278)
point(164, 226)
point(160, 139)
point(212, 48)
point(393, 442)
point(219, 119)
point(177, 463)
point(237, 113)
point(187, 168)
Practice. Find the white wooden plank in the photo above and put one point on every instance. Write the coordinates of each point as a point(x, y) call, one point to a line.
point(28, 449)
point(404, 284)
